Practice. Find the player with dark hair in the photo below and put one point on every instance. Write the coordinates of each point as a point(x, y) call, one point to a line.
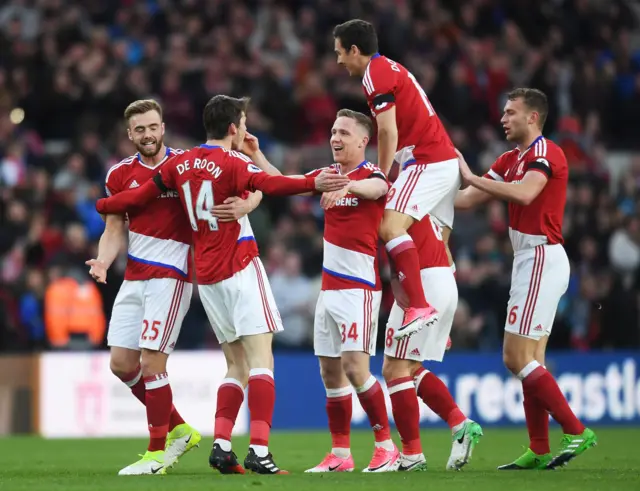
point(409, 132)
point(533, 179)
point(232, 282)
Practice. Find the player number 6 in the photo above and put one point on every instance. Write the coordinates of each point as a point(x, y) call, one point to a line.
point(513, 315)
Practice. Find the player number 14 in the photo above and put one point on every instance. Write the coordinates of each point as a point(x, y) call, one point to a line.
point(203, 205)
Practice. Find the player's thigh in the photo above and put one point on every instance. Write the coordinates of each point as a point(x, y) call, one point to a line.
point(540, 278)
point(327, 342)
point(166, 302)
point(355, 313)
point(420, 189)
point(127, 314)
point(444, 210)
point(254, 307)
point(216, 300)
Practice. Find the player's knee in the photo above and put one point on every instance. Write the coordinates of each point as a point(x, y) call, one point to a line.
point(238, 370)
point(355, 372)
point(153, 362)
point(393, 369)
point(390, 230)
point(515, 360)
point(331, 372)
point(123, 366)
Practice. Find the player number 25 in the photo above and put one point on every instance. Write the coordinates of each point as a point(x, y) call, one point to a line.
point(146, 336)
point(203, 205)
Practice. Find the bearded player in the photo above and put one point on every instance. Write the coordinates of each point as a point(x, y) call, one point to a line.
point(532, 178)
point(410, 132)
point(156, 292)
point(233, 285)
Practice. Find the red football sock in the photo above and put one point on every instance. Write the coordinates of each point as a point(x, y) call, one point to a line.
point(339, 411)
point(135, 382)
point(405, 257)
point(158, 402)
point(262, 398)
point(539, 383)
point(406, 414)
point(537, 425)
point(230, 397)
point(436, 395)
point(372, 399)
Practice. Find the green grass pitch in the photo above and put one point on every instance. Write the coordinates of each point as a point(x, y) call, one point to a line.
point(33, 464)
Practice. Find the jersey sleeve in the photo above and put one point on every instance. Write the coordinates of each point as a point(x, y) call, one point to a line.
point(497, 170)
point(540, 164)
point(380, 82)
point(113, 181)
point(166, 178)
point(376, 173)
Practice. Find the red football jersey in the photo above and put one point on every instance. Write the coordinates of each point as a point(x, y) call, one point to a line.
point(422, 138)
point(350, 258)
point(427, 237)
point(205, 176)
point(159, 239)
point(540, 222)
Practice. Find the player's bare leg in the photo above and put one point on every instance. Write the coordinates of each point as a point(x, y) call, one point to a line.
point(399, 377)
point(446, 233)
point(465, 433)
point(371, 396)
point(229, 402)
point(403, 253)
point(262, 395)
point(520, 355)
point(339, 411)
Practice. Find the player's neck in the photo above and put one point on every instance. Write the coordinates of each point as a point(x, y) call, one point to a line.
point(345, 167)
point(225, 143)
point(529, 141)
point(154, 159)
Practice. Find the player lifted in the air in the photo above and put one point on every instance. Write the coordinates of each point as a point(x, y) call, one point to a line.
point(410, 132)
point(232, 283)
point(156, 292)
point(403, 358)
point(533, 179)
point(346, 318)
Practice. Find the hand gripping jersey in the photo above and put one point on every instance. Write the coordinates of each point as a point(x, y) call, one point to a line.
point(159, 239)
point(540, 222)
point(350, 258)
point(422, 138)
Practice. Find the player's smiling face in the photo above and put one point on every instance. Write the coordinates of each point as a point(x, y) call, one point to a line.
point(516, 120)
point(347, 141)
point(146, 131)
point(347, 59)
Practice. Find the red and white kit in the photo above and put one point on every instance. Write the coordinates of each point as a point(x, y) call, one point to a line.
point(429, 178)
point(541, 268)
point(439, 287)
point(232, 282)
point(346, 316)
point(156, 292)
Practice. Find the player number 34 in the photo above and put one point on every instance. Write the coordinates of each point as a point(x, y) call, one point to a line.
point(203, 205)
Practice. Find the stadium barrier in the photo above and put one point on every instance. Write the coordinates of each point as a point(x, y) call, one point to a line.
point(80, 397)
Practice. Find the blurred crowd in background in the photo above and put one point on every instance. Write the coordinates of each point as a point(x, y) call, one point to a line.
point(69, 68)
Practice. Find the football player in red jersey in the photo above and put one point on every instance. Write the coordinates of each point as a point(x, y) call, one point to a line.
point(232, 282)
point(410, 132)
point(533, 179)
point(156, 292)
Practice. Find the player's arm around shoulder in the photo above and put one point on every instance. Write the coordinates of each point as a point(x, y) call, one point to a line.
point(374, 187)
point(387, 138)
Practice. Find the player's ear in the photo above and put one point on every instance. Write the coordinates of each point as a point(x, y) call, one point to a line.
point(365, 140)
point(129, 134)
point(233, 129)
point(534, 117)
point(162, 129)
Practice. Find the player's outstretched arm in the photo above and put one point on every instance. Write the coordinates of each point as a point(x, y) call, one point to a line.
point(121, 202)
point(372, 188)
point(387, 139)
point(110, 243)
point(522, 193)
point(470, 198)
point(286, 186)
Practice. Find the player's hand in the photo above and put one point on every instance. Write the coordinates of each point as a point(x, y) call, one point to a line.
point(399, 294)
point(250, 145)
point(231, 209)
point(465, 172)
point(97, 270)
point(328, 181)
point(329, 200)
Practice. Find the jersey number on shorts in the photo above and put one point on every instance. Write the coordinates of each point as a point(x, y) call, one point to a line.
point(153, 335)
point(351, 334)
point(203, 205)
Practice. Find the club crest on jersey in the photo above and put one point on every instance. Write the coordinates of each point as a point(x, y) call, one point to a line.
point(520, 169)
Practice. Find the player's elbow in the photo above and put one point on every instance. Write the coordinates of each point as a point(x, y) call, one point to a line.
point(526, 197)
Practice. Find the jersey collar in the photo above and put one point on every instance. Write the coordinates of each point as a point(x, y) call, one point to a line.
point(364, 162)
point(204, 145)
point(520, 155)
point(166, 156)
